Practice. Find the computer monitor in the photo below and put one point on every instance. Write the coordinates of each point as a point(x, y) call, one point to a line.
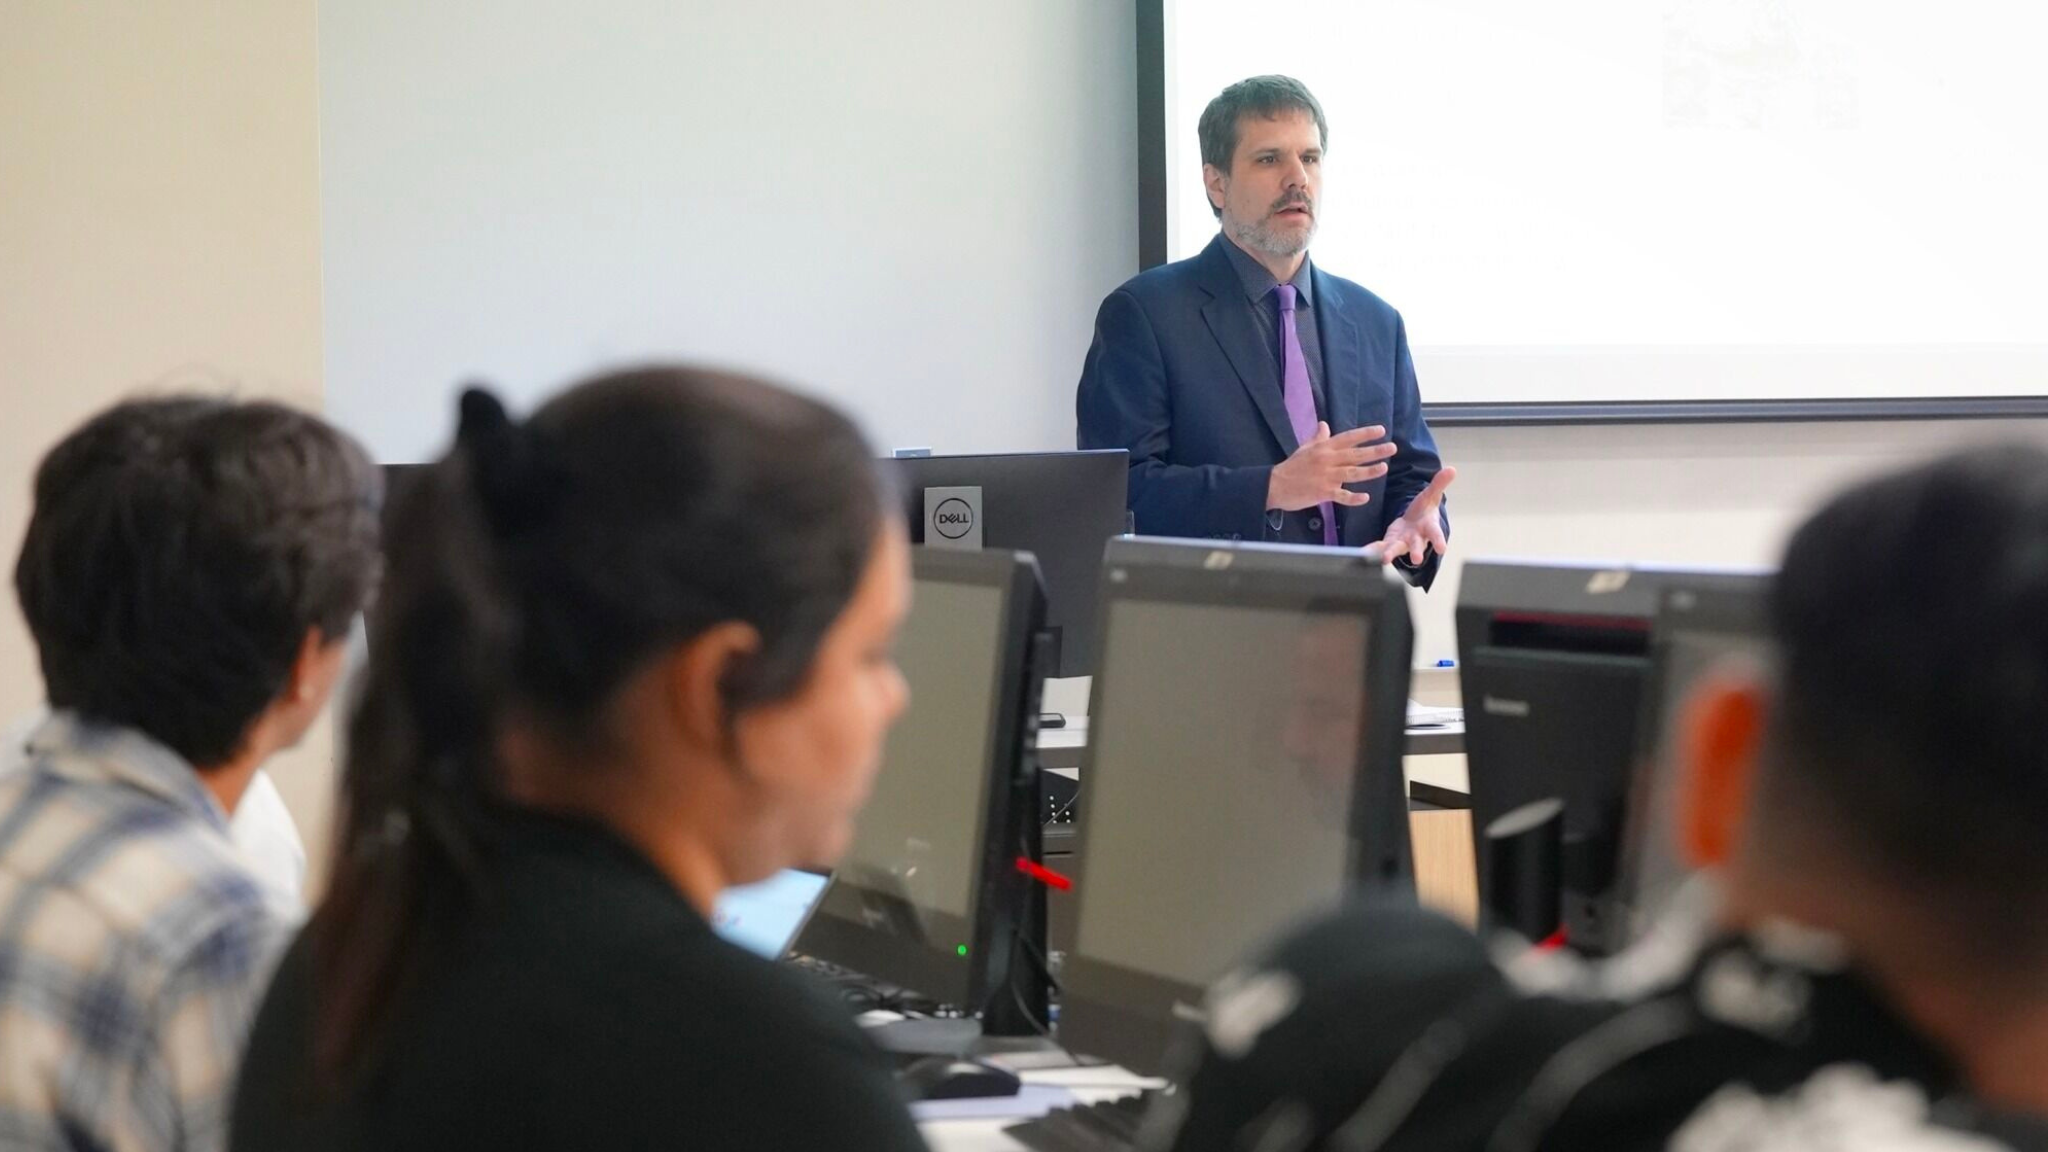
point(1243, 770)
point(929, 897)
point(1553, 660)
point(1696, 631)
point(1059, 506)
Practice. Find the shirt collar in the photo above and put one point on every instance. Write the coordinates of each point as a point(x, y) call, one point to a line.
point(74, 748)
point(1259, 283)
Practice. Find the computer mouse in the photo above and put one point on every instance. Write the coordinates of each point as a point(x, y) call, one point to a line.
point(955, 1078)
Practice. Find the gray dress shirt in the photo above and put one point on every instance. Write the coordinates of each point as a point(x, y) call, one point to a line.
point(1265, 309)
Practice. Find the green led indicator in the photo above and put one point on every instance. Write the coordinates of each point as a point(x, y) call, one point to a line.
point(963, 949)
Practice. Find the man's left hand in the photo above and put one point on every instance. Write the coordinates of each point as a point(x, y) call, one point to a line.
point(1419, 529)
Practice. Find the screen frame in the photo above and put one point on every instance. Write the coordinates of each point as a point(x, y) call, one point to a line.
point(1097, 1010)
point(1154, 181)
point(999, 900)
point(1606, 615)
point(1726, 605)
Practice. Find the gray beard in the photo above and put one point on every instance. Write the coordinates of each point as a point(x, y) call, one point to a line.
point(1260, 237)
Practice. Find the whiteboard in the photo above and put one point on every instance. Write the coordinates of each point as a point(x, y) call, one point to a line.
point(1666, 200)
point(912, 209)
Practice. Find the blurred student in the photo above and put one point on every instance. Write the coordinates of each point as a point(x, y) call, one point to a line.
point(1865, 964)
point(636, 650)
point(189, 573)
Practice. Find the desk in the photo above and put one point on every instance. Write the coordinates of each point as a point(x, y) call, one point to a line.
point(1090, 1085)
point(1061, 748)
point(1446, 870)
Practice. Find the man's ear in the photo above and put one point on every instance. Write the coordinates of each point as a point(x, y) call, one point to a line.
point(1720, 734)
point(315, 669)
point(1215, 181)
point(696, 677)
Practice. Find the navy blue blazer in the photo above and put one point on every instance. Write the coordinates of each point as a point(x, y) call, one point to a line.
point(1180, 376)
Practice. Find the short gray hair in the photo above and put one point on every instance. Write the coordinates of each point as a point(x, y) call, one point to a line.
point(1260, 96)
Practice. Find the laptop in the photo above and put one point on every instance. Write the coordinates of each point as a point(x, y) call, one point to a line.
point(764, 918)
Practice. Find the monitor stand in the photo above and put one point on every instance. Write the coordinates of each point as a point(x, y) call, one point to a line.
point(1018, 1016)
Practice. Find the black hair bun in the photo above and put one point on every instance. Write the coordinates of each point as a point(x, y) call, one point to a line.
point(481, 414)
point(504, 462)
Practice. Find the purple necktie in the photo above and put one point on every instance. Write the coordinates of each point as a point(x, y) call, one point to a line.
point(1296, 394)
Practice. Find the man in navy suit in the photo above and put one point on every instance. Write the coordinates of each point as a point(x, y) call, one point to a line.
point(1260, 397)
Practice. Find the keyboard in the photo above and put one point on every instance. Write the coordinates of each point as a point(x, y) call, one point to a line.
point(860, 993)
point(1110, 1126)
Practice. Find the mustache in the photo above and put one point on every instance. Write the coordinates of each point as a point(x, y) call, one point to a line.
point(1295, 200)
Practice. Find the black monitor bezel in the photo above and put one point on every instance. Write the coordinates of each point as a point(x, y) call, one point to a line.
point(1585, 597)
point(933, 967)
point(1240, 575)
point(1721, 604)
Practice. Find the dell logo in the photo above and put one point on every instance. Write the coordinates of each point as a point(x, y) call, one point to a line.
point(953, 519)
point(1515, 709)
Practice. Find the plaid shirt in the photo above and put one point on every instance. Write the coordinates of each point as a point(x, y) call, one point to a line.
point(135, 946)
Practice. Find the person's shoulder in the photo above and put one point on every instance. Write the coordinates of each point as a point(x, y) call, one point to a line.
point(168, 888)
point(1312, 1029)
point(1163, 282)
point(1362, 303)
point(582, 930)
point(740, 994)
point(1847, 1107)
point(771, 1061)
point(1377, 968)
point(1370, 951)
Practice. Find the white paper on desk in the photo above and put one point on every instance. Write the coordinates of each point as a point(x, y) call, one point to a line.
point(1422, 714)
point(1030, 1102)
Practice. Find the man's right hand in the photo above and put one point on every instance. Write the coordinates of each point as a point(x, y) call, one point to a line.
point(1318, 470)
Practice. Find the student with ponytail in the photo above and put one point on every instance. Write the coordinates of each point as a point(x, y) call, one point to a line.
point(629, 652)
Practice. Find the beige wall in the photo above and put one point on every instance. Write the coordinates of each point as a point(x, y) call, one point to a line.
point(159, 225)
point(1674, 494)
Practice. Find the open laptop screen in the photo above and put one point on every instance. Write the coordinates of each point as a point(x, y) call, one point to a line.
point(765, 917)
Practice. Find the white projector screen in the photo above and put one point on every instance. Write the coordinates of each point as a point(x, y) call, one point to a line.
point(1665, 201)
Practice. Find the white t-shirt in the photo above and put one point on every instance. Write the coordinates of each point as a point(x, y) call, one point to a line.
point(261, 825)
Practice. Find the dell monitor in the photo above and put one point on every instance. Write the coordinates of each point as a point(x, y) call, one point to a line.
point(1243, 770)
point(1059, 506)
point(1697, 630)
point(929, 898)
point(1553, 663)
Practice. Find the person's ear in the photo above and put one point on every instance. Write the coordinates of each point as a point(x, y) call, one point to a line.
point(1720, 733)
point(315, 670)
point(1214, 179)
point(697, 675)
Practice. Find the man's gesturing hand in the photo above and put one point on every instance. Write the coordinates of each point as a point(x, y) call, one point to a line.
point(1419, 527)
point(1318, 470)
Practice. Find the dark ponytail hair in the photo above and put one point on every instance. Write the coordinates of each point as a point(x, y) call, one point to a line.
point(531, 572)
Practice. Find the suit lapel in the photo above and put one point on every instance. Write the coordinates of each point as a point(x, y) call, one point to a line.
point(1343, 364)
point(1239, 338)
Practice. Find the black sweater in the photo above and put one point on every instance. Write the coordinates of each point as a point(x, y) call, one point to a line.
point(588, 1006)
